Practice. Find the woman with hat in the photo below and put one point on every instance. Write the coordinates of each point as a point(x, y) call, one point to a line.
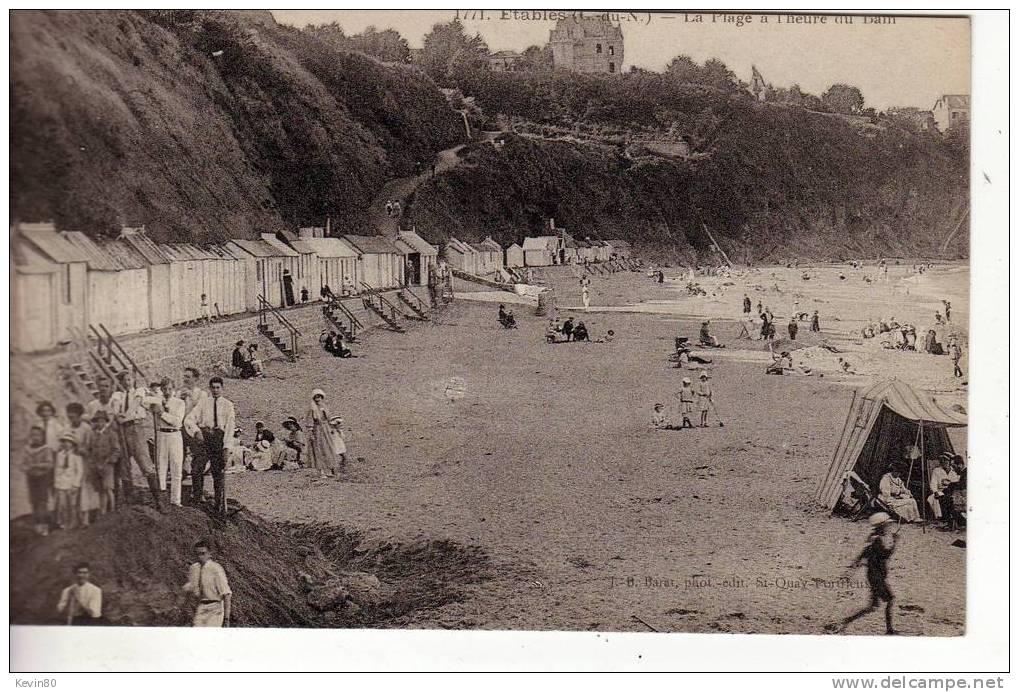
point(295, 441)
point(320, 449)
point(704, 397)
point(50, 424)
point(877, 552)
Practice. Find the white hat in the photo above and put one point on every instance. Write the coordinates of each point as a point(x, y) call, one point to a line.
point(879, 518)
point(686, 380)
point(264, 445)
point(317, 392)
point(704, 375)
point(336, 420)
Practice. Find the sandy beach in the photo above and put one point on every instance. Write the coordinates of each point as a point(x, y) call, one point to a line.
point(542, 456)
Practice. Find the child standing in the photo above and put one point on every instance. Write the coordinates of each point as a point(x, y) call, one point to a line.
point(88, 499)
point(103, 460)
point(704, 398)
point(37, 463)
point(686, 399)
point(67, 476)
point(879, 549)
point(337, 440)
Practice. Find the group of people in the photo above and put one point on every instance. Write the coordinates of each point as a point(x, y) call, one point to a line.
point(207, 586)
point(81, 465)
point(333, 344)
point(245, 362)
point(768, 330)
point(691, 398)
point(393, 209)
point(323, 448)
point(561, 332)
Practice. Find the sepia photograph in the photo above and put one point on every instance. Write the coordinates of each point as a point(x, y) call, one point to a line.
point(516, 320)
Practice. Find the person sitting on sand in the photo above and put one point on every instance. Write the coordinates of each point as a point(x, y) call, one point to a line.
point(686, 398)
point(295, 440)
point(237, 359)
point(255, 361)
point(781, 365)
point(706, 338)
point(567, 329)
point(552, 331)
point(580, 333)
point(507, 319)
point(682, 351)
point(896, 496)
point(659, 419)
point(932, 345)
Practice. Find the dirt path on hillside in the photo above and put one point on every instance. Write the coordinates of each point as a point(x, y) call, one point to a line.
point(399, 189)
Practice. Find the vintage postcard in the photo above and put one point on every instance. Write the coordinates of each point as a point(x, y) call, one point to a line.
point(490, 320)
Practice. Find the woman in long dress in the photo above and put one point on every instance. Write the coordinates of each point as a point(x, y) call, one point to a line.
point(319, 447)
point(896, 496)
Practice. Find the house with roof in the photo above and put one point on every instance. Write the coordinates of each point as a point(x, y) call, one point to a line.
point(420, 257)
point(489, 256)
point(951, 110)
point(380, 263)
point(49, 287)
point(505, 61)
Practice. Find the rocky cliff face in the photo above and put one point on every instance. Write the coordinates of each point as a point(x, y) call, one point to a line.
point(204, 125)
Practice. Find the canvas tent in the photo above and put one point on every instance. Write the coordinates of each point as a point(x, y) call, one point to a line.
point(884, 421)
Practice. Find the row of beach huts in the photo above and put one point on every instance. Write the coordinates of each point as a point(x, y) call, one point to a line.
point(63, 281)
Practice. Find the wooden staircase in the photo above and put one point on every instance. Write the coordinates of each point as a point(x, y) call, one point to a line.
point(415, 304)
point(343, 319)
point(376, 302)
point(275, 327)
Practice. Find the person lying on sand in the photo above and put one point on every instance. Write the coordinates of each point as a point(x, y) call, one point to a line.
point(706, 338)
point(607, 339)
point(780, 365)
point(507, 319)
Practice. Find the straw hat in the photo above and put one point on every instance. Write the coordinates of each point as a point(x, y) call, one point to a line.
point(264, 445)
point(69, 437)
point(336, 420)
point(317, 392)
point(686, 380)
point(703, 375)
point(879, 518)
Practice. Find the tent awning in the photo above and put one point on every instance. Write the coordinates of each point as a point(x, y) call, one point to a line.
point(913, 404)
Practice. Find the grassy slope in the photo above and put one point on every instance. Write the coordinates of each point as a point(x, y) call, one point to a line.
point(779, 180)
point(126, 117)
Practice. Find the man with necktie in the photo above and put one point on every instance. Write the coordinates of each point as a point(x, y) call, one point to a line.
point(136, 424)
point(211, 422)
point(207, 581)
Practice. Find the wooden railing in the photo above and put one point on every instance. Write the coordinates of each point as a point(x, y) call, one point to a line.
point(109, 350)
point(384, 303)
point(265, 308)
point(355, 324)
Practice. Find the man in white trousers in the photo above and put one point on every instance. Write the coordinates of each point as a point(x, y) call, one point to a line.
point(169, 443)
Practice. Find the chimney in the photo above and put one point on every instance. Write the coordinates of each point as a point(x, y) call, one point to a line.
point(328, 227)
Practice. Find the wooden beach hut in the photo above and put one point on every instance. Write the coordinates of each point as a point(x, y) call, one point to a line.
point(541, 251)
point(225, 281)
point(265, 267)
point(290, 260)
point(420, 257)
point(158, 267)
point(306, 276)
point(461, 256)
point(49, 291)
point(114, 286)
point(514, 256)
point(381, 263)
point(188, 272)
point(337, 265)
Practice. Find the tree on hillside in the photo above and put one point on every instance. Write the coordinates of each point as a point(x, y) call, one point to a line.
point(446, 42)
point(683, 69)
point(843, 98)
point(716, 74)
point(537, 59)
point(385, 45)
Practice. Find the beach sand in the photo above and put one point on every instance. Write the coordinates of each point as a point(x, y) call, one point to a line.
point(541, 455)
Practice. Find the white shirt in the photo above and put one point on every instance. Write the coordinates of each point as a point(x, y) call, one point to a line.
point(135, 409)
point(191, 397)
point(941, 479)
point(210, 413)
point(173, 417)
point(207, 581)
point(89, 600)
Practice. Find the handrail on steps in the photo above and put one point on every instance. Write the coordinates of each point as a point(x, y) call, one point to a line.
point(266, 306)
point(354, 322)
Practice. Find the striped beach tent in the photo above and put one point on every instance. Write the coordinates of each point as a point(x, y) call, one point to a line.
point(885, 421)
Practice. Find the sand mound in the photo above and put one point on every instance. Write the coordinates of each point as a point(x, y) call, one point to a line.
point(281, 575)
